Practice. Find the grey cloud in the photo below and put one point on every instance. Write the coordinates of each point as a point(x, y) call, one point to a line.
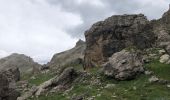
point(90, 13)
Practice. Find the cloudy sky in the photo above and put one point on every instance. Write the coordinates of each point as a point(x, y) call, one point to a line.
point(41, 28)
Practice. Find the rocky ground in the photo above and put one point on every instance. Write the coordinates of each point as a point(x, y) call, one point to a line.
point(74, 84)
point(125, 57)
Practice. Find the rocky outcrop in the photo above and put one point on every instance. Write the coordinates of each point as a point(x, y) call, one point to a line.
point(123, 65)
point(21, 61)
point(162, 31)
point(107, 37)
point(69, 57)
point(7, 84)
point(13, 74)
point(62, 81)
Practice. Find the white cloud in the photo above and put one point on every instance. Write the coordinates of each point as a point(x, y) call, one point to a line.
point(35, 28)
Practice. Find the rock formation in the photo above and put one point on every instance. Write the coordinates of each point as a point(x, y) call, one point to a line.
point(21, 61)
point(58, 83)
point(7, 84)
point(162, 31)
point(72, 56)
point(112, 35)
point(124, 65)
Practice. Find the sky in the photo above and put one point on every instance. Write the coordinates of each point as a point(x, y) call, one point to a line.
point(41, 28)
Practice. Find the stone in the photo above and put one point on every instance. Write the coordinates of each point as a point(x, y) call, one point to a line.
point(56, 84)
point(114, 34)
point(109, 86)
point(134, 88)
point(162, 51)
point(13, 74)
point(164, 58)
point(168, 85)
point(148, 72)
point(123, 65)
point(28, 94)
point(163, 82)
point(64, 80)
point(7, 86)
point(153, 79)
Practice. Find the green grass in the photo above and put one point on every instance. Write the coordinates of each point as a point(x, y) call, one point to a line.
point(54, 96)
point(160, 69)
point(40, 78)
point(137, 89)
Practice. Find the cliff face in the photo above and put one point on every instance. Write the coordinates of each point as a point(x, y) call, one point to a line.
point(72, 56)
point(114, 34)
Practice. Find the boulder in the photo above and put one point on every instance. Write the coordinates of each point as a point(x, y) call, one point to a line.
point(153, 79)
point(16, 73)
point(112, 35)
point(164, 58)
point(123, 65)
point(64, 80)
point(7, 86)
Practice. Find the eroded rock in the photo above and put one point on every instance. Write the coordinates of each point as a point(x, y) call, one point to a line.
point(164, 58)
point(64, 80)
point(105, 38)
point(123, 65)
point(7, 85)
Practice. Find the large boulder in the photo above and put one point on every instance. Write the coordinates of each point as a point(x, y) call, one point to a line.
point(63, 81)
point(123, 65)
point(105, 38)
point(7, 85)
point(13, 74)
point(70, 57)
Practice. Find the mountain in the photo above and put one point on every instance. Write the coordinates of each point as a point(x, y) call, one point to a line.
point(72, 56)
point(21, 61)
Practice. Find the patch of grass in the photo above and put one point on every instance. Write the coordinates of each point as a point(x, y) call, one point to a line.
point(160, 69)
point(40, 78)
point(54, 96)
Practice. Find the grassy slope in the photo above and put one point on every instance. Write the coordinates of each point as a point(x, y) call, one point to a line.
point(138, 89)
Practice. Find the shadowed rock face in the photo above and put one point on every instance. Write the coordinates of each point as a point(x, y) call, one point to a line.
point(21, 61)
point(162, 31)
point(7, 84)
point(72, 56)
point(105, 38)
